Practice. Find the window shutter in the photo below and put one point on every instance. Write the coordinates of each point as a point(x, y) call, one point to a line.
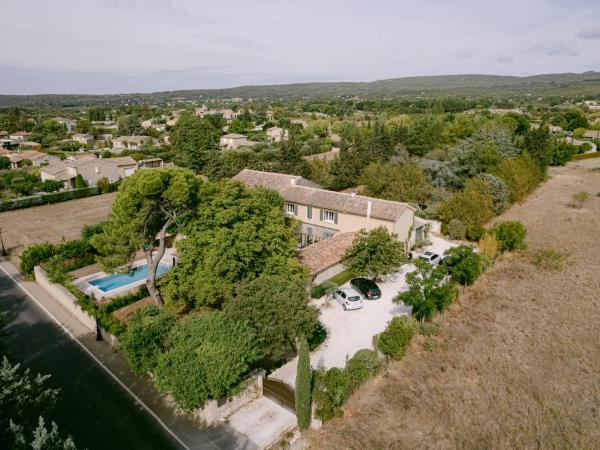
point(335, 217)
point(309, 212)
point(321, 215)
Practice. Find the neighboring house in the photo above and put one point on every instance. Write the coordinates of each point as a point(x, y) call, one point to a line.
point(276, 134)
point(130, 142)
point(233, 140)
point(150, 163)
point(30, 145)
point(147, 123)
point(270, 116)
point(555, 129)
point(69, 124)
point(19, 136)
point(594, 134)
point(36, 158)
point(83, 139)
point(324, 258)
point(91, 169)
point(302, 123)
point(227, 114)
point(325, 156)
point(105, 137)
point(324, 213)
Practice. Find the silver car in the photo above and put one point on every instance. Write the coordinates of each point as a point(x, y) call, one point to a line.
point(430, 257)
point(349, 298)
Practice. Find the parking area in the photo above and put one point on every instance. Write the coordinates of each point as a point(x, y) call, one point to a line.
point(350, 331)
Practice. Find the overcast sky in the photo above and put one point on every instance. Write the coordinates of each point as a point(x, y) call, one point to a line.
point(111, 46)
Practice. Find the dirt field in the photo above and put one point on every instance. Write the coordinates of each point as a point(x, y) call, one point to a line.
point(51, 223)
point(517, 361)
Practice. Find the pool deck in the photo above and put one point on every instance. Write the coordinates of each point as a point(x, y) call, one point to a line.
point(83, 283)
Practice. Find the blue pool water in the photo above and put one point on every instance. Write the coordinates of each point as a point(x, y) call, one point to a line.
point(117, 280)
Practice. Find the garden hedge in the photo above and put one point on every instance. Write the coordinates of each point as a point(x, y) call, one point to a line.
point(44, 199)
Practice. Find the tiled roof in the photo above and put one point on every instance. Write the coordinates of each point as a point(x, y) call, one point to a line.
point(123, 161)
point(325, 253)
point(296, 189)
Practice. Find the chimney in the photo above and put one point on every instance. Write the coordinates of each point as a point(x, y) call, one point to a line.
point(353, 194)
point(293, 181)
point(96, 169)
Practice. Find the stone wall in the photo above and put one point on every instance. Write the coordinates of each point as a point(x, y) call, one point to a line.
point(216, 410)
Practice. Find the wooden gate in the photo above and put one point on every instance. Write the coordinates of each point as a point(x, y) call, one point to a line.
point(280, 392)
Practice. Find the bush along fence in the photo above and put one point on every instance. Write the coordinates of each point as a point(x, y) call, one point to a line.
point(47, 198)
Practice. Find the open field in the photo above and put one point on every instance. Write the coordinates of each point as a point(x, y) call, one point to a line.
point(52, 223)
point(516, 362)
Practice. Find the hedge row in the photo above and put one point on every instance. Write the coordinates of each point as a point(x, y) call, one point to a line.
point(585, 156)
point(318, 291)
point(44, 199)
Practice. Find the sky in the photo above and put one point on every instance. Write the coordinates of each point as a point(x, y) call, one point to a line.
point(118, 46)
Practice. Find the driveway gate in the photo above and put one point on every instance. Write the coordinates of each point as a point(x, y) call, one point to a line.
point(280, 392)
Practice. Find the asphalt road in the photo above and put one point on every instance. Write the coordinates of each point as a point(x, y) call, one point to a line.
point(91, 406)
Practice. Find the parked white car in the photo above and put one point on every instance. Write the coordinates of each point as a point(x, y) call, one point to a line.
point(349, 298)
point(430, 257)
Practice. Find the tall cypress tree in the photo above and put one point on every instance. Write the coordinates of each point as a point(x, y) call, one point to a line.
point(303, 400)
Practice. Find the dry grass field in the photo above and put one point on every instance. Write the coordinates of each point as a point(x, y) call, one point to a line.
point(52, 223)
point(517, 361)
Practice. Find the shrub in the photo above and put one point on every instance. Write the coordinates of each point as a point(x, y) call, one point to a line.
point(207, 357)
point(430, 328)
point(303, 382)
point(50, 185)
point(456, 230)
point(463, 264)
point(362, 366)
point(579, 199)
point(79, 182)
point(473, 206)
point(488, 247)
point(510, 235)
point(145, 338)
point(397, 335)
point(331, 389)
point(550, 259)
point(585, 156)
point(520, 175)
point(562, 153)
point(318, 337)
point(34, 255)
point(103, 184)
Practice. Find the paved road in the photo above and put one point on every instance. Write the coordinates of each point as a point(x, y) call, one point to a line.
point(92, 406)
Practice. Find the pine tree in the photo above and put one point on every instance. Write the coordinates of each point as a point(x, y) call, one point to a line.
point(303, 394)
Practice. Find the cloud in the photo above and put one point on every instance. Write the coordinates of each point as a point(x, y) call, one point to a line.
point(468, 53)
point(589, 33)
point(553, 49)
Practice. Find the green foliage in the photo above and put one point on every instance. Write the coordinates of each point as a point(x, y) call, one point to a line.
point(43, 199)
point(464, 265)
point(456, 230)
point(104, 185)
point(48, 133)
point(129, 125)
point(403, 183)
point(41, 437)
point(34, 255)
point(144, 340)
point(520, 175)
point(428, 291)
point(237, 235)
point(194, 139)
point(303, 387)
point(79, 182)
point(473, 206)
point(207, 357)
point(510, 235)
point(317, 337)
point(331, 389)
point(579, 199)
point(488, 248)
point(429, 328)
point(537, 143)
point(374, 253)
point(4, 163)
point(362, 366)
point(499, 192)
point(277, 309)
point(397, 335)
point(23, 399)
point(50, 185)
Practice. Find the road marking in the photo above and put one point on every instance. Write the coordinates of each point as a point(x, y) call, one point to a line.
point(100, 363)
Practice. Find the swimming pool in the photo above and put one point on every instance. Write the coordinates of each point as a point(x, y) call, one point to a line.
point(118, 280)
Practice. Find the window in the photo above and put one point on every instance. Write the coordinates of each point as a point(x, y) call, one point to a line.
point(329, 216)
point(291, 208)
point(309, 212)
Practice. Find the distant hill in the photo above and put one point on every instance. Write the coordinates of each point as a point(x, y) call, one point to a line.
point(426, 86)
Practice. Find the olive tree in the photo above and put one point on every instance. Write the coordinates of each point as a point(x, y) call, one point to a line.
point(147, 205)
